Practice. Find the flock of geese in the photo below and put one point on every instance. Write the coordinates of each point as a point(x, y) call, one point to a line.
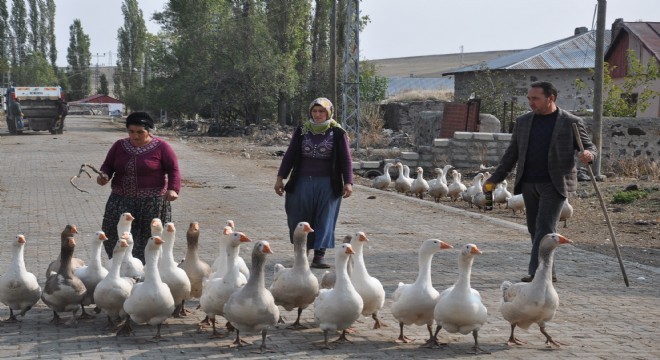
point(130, 293)
point(438, 188)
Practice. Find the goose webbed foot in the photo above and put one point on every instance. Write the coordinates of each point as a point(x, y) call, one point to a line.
point(476, 349)
point(296, 325)
point(263, 348)
point(84, 315)
point(157, 337)
point(402, 338)
point(512, 339)
point(240, 342)
point(124, 328)
point(549, 339)
point(12, 318)
point(342, 338)
point(377, 323)
point(56, 320)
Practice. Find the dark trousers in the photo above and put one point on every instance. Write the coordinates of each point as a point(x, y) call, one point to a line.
point(543, 205)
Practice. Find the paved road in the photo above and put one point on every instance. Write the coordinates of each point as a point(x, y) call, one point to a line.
point(599, 318)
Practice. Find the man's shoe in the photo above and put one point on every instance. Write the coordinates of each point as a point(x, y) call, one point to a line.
point(527, 278)
point(319, 265)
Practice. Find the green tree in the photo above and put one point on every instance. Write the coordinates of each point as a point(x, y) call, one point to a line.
point(43, 28)
point(4, 40)
point(634, 93)
point(36, 71)
point(20, 32)
point(78, 58)
point(33, 34)
point(493, 88)
point(373, 88)
point(320, 57)
point(52, 46)
point(103, 85)
point(131, 50)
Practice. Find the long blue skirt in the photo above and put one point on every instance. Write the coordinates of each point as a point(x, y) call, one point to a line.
point(314, 202)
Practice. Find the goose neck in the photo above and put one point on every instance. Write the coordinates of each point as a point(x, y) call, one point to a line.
point(464, 272)
point(300, 261)
point(257, 279)
point(18, 260)
point(115, 269)
point(151, 273)
point(424, 276)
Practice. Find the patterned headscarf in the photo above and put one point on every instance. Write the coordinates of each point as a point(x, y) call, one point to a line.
point(326, 103)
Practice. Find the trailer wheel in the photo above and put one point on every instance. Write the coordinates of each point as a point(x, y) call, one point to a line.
point(371, 174)
point(53, 132)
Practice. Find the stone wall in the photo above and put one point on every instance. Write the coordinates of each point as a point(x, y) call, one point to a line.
point(622, 139)
point(404, 115)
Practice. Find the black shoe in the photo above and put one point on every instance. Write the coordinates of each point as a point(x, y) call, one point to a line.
point(319, 265)
point(529, 278)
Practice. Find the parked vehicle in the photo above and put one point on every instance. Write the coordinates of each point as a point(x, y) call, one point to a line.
point(41, 108)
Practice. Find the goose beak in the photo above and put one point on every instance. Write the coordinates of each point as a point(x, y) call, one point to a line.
point(444, 245)
point(244, 238)
point(475, 250)
point(170, 227)
point(362, 237)
point(129, 217)
point(103, 237)
point(308, 229)
point(74, 229)
point(227, 230)
point(158, 240)
point(123, 243)
point(266, 249)
point(564, 240)
point(21, 239)
point(349, 250)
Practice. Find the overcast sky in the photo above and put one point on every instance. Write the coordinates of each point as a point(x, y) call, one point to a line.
point(398, 28)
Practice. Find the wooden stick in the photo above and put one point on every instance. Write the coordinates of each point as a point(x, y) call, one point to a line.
point(80, 172)
point(576, 132)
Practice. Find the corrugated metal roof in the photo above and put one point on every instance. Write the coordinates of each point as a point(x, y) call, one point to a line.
point(397, 85)
point(575, 52)
point(648, 33)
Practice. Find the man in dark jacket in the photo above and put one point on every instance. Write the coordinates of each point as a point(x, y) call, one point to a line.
point(543, 146)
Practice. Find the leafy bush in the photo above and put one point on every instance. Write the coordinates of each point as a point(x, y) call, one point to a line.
point(626, 197)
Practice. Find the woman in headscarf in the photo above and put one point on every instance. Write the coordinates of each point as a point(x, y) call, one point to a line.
point(145, 178)
point(319, 168)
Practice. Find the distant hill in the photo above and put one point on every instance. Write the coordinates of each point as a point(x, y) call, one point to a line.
point(432, 66)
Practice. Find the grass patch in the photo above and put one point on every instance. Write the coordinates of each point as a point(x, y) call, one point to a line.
point(627, 197)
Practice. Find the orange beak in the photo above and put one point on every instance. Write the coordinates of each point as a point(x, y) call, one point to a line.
point(158, 240)
point(102, 237)
point(226, 230)
point(266, 249)
point(244, 238)
point(308, 229)
point(362, 237)
point(21, 239)
point(349, 249)
point(129, 217)
point(444, 245)
point(123, 243)
point(564, 240)
point(170, 227)
point(194, 226)
point(74, 229)
point(475, 250)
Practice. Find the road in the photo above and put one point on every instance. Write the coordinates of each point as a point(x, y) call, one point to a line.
point(598, 318)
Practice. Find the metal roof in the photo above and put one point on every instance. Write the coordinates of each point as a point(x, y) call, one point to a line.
point(397, 85)
point(648, 34)
point(574, 52)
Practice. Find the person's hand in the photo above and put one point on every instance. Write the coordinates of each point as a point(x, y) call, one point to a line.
point(348, 190)
point(485, 188)
point(586, 156)
point(171, 195)
point(279, 186)
point(102, 179)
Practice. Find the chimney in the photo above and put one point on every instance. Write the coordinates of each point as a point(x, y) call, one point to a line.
point(581, 30)
point(616, 28)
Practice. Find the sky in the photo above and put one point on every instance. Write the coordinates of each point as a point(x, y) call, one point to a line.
point(397, 28)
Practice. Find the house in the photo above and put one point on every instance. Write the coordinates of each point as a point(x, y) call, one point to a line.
point(643, 38)
point(98, 104)
point(560, 62)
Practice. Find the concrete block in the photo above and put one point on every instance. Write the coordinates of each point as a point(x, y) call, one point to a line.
point(411, 164)
point(441, 142)
point(370, 164)
point(484, 136)
point(462, 135)
point(502, 137)
point(409, 155)
point(357, 165)
point(426, 157)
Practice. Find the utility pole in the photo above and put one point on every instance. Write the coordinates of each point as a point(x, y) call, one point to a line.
point(96, 72)
point(333, 53)
point(598, 84)
point(351, 90)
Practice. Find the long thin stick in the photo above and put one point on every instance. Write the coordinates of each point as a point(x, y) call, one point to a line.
point(576, 132)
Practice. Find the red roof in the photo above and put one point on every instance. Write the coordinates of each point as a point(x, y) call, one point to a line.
point(98, 99)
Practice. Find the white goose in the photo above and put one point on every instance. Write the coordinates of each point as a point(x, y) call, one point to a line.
point(113, 290)
point(151, 301)
point(19, 289)
point(438, 188)
point(475, 189)
point(218, 289)
point(63, 290)
point(516, 203)
point(382, 182)
point(296, 287)
point(414, 303)
point(93, 273)
point(172, 275)
point(252, 307)
point(130, 266)
point(523, 304)
point(369, 288)
point(456, 187)
point(196, 269)
point(419, 185)
point(219, 267)
point(338, 308)
point(501, 194)
point(239, 260)
point(403, 182)
point(566, 212)
point(459, 308)
point(329, 277)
